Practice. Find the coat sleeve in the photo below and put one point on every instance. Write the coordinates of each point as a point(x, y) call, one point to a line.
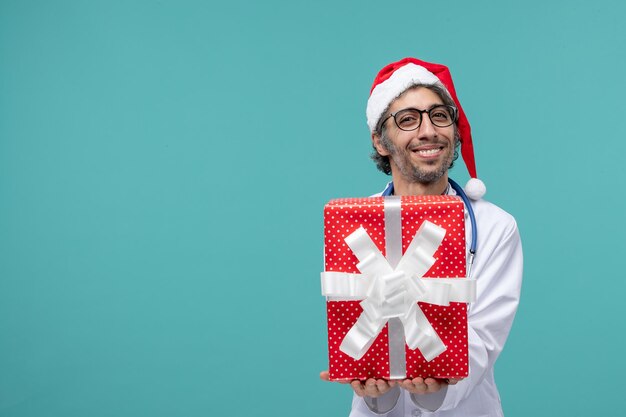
point(498, 273)
point(386, 405)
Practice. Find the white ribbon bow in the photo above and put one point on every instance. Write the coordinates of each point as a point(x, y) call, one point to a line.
point(394, 292)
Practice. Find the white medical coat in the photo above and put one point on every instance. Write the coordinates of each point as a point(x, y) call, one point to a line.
point(498, 272)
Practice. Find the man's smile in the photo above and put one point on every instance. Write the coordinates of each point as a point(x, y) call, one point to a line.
point(428, 151)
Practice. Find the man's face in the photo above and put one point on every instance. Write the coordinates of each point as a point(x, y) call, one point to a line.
point(423, 155)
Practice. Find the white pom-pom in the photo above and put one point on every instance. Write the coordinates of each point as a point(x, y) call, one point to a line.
point(475, 189)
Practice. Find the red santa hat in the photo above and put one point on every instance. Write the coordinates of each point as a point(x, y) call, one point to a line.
point(396, 78)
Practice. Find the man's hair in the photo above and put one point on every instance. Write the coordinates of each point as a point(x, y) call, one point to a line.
point(382, 162)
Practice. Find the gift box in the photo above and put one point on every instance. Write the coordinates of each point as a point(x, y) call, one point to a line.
point(396, 288)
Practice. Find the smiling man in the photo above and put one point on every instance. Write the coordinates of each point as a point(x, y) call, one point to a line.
point(417, 126)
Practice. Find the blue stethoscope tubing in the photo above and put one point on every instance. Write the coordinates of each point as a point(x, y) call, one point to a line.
point(461, 193)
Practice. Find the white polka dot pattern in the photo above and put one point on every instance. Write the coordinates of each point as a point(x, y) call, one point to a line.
point(344, 216)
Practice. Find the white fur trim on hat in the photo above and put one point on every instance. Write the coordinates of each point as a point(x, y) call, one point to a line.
point(387, 91)
point(475, 189)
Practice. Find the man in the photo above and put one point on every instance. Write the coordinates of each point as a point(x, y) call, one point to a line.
point(417, 124)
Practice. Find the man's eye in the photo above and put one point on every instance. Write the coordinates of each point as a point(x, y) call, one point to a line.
point(408, 119)
point(440, 115)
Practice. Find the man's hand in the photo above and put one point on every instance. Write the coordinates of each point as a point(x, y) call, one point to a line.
point(376, 387)
point(325, 376)
point(371, 388)
point(426, 385)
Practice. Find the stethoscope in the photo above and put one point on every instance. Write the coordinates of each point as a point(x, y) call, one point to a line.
point(461, 193)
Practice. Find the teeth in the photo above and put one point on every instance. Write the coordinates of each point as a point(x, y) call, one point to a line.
point(428, 151)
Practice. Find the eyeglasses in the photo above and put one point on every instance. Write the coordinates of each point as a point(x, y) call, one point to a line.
point(410, 119)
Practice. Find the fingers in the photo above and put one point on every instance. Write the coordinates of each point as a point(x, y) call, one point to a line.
point(376, 387)
point(371, 387)
point(358, 387)
point(414, 386)
point(380, 387)
point(434, 384)
point(423, 385)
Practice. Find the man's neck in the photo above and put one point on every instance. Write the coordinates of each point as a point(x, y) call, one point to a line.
point(438, 187)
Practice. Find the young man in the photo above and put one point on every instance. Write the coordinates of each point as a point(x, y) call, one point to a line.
point(417, 125)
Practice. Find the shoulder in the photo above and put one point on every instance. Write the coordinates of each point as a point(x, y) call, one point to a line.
point(493, 221)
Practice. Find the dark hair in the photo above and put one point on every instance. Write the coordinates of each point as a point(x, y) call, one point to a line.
point(382, 162)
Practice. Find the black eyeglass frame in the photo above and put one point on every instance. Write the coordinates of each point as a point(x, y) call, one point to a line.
point(453, 113)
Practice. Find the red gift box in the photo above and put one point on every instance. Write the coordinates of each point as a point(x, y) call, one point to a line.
point(379, 234)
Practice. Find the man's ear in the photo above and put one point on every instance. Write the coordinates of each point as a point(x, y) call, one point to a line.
point(376, 142)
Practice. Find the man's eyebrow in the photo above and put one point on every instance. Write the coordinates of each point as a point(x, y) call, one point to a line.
point(415, 108)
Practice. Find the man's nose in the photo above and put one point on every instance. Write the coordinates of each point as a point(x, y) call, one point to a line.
point(426, 129)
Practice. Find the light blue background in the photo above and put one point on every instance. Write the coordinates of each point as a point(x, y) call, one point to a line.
point(163, 167)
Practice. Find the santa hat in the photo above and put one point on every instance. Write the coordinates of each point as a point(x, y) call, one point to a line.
point(396, 78)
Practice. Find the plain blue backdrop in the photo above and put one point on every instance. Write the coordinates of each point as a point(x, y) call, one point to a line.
point(164, 164)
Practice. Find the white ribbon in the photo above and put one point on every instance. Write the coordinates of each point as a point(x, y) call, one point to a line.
point(394, 292)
